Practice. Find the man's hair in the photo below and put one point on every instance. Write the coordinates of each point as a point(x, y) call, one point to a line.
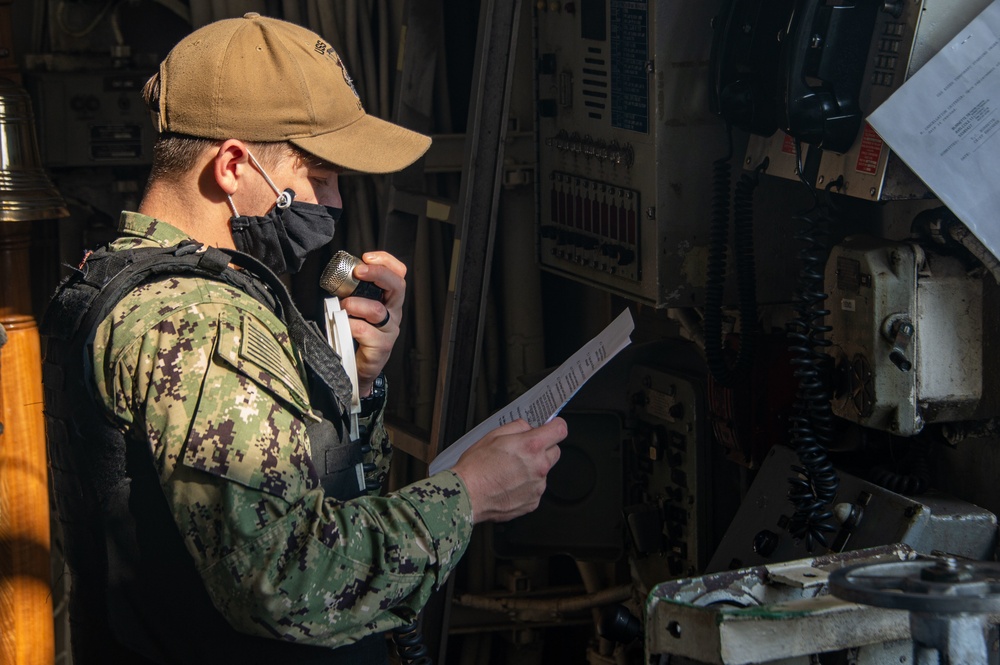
point(175, 154)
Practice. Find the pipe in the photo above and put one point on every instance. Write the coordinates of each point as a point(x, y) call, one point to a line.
point(201, 13)
point(489, 363)
point(350, 22)
point(367, 60)
point(506, 627)
point(689, 320)
point(83, 31)
point(384, 76)
point(176, 7)
point(550, 606)
point(961, 234)
point(425, 334)
point(39, 25)
point(595, 577)
point(361, 229)
point(522, 303)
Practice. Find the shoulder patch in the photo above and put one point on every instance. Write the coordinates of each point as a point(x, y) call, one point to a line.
point(259, 347)
point(252, 348)
point(250, 426)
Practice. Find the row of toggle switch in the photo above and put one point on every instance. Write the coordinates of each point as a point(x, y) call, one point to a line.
point(593, 224)
point(590, 147)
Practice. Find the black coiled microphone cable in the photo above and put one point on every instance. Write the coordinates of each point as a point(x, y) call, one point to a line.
point(410, 646)
point(815, 486)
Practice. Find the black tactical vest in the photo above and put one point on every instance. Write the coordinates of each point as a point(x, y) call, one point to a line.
point(136, 596)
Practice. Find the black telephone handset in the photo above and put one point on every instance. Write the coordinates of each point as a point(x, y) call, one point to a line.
point(745, 55)
point(824, 56)
point(794, 65)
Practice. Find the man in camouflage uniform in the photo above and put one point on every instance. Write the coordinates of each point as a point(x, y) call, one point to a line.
point(200, 525)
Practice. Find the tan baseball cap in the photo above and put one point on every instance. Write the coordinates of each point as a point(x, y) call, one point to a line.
point(263, 79)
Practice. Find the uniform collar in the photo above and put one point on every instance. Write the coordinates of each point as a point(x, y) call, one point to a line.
point(138, 225)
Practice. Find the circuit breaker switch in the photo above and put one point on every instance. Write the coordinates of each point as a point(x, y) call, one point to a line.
point(893, 7)
point(566, 89)
point(901, 339)
point(547, 64)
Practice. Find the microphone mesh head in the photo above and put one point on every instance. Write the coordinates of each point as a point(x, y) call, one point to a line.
point(338, 278)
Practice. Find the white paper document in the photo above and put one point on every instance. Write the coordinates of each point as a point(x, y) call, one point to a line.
point(943, 123)
point(546, 399)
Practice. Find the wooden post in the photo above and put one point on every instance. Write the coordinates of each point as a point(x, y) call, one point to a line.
point(26, 622)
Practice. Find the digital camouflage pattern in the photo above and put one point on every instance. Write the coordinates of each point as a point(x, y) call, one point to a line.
point(207, 375)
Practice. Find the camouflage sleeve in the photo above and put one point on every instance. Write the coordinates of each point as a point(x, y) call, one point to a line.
point(213, 388)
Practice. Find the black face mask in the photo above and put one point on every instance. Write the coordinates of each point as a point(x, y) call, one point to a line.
point(283, 237)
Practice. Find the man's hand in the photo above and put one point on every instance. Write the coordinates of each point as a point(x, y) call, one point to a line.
point(375, 343)
point(505, 471)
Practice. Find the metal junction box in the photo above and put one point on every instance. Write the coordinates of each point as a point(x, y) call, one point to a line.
point(907, 333)
point(759, 535)
point(668, 516)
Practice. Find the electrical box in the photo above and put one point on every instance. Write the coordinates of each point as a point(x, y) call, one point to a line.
point(92, 118)
point(667, 512)
point(866, 515)
point(907, 332)
point(626, 144)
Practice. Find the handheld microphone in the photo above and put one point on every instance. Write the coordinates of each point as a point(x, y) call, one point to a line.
point(338, 279)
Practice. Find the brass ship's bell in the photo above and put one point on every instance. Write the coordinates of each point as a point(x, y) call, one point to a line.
point(26, 193)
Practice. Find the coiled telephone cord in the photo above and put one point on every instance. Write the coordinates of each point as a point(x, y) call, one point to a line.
point(816, 482)
point(720, 368)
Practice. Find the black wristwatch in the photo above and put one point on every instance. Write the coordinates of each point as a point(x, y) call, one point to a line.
point(376, 400)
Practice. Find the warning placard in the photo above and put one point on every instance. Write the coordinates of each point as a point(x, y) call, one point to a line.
point(870, 152)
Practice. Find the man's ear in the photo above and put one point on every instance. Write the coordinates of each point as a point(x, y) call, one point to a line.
point(230, 164)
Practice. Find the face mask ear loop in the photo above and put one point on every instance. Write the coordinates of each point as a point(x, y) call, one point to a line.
point(284, 199)
point(232, 206)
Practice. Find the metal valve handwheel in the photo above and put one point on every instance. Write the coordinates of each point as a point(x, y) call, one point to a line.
point(949, 603)
point(943, 585)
